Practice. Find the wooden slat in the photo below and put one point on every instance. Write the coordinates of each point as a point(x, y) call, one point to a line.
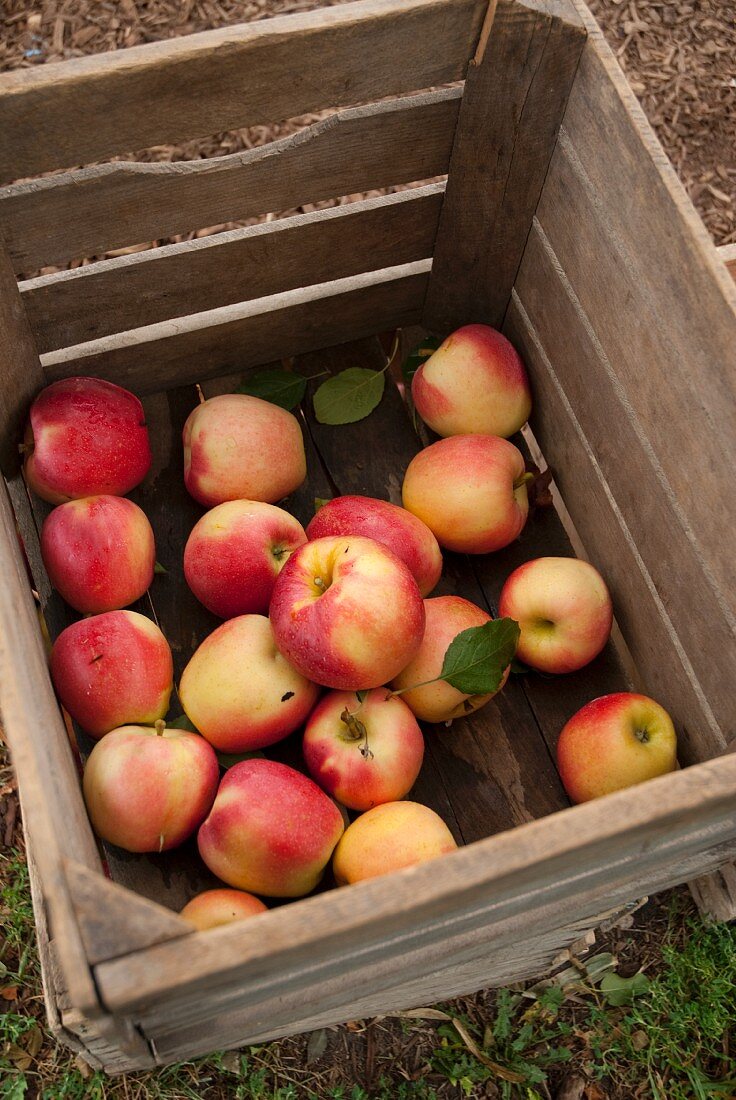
point(664, 540)
point(616, 844)
point(131, 291)
point(21, 375)
point(488, 771)
point(94, 210)
point(514, 101)
point(195, 348)
point(727, 252)
point(658, 299)
point(94, 107)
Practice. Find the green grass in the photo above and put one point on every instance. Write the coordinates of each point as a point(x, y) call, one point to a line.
point(665, 1037)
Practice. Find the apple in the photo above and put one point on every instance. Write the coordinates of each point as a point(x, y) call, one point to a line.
point(387, 838)
point(474, 383)
point(234, 554)
point(363, 753)
point(394, 527)
point(238, 447)
point(470, 490)
point(346, 612)
point(212, 908)
point(240, 692)
point(112, 670)
point(85, 437)
point(148, 789)
point(438, 701)
point(271, 830)
point(614, 742)
point(99, 552)
point(563, 609)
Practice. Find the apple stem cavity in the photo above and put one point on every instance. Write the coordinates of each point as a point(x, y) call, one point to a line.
point(159, 726)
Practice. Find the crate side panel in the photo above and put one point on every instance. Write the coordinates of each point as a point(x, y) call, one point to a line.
point(183, 88)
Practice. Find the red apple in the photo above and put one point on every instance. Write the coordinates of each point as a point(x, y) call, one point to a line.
point(241, 448)
point(213, 908)
point(346, 612)
point(99, 552)
point(240, 692)
point(564, 611)
point(470, 490)
point(474, 383)
point(85, 437)
point(615, 742)
point(363, 753)
point(235, 553)
point(147, 789)
point(435, 700)
point(271, 830)
point(394, 527)
point(113, 670)
point(388, 838)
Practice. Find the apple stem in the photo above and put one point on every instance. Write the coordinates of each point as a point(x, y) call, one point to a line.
point(411, 687)
point(524, 480)
point(159, 726)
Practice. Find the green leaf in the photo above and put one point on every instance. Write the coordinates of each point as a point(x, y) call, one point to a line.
point(182, 723)
point(362, 695)
point(419, 355)
point(159, 568)
point(274, 384)
point(477, 658)
point(319, 502)
point(350, 396)
point(621, 991)
point(227, 759)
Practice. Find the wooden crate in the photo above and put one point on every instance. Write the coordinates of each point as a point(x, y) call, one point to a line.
point(561, 221)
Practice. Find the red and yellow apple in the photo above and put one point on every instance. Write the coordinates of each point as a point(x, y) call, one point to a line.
point(470, 490)
point(394, 527)
point(238, 447)
point(239, 690)
point(99, 552)
point(234, 554)
point(563, 609)
point(363, 753)
point(112, 670)
point(614, 742)
point(388, 838)
point(85, 437)
point(434, 700)
point(346, 612)
point(213, 908)
point(148, 789)
point(474, 383)
point(271, 830)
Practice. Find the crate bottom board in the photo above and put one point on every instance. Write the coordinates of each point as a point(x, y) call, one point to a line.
point(483, 774)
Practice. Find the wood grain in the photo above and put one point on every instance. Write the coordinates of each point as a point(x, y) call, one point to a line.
point(94, 210)
point(664, 539)
point(512, 107)
point(727, 253)
point(188, 87)
point(21, 375)
point(88, 302)
point(199, 347)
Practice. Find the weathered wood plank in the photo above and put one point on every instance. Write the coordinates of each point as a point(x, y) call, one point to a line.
point(646, 626)
point(88, 302)
point(94, 210)
point(658, 299)
point(727, 252)
point(21, 376)
point(182, 88)
point(488, 771)
point(514, 101)
point(199, 347)
point(664, 539)
point(620, 841)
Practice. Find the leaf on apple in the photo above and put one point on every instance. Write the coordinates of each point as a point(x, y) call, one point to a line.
point(477, 658)
point(420, 354)
point(227, 759)
point(319, 502)
point(349, 396)
point(621, 991)
point(274, 384)
point(159, 568)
